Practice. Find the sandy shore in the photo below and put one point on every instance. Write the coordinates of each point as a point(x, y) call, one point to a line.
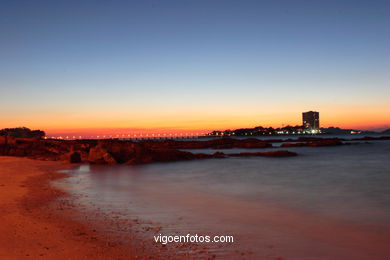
point(34, 224)
point(41, 221)
point(38, 220)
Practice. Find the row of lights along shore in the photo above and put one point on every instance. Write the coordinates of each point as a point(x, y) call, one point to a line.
point(130, 136)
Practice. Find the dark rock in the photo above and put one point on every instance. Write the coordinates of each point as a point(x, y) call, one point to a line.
point(75, 157)
point(100, 155)
point(3, 140)
point(115, 151)
point(145, 155)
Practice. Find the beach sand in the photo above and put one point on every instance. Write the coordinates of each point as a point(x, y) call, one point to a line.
point(39, 220)
point(34, 223)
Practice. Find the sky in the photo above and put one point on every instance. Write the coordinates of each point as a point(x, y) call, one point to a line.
point(101, 66)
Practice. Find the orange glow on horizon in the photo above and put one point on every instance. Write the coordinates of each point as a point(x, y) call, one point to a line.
point(104, 123)
point(348, 123)
point(122, 132)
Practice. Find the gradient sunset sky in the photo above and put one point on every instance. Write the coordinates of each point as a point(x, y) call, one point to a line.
point(100, 66)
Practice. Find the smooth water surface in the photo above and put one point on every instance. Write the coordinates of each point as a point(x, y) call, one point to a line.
point(325, 203)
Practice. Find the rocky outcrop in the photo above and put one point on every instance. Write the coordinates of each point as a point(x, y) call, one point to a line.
point(100, 155)
point(116, 151)
point(3, 140)
point(138, 153)
point(37, 148)
point(146, 155)
point(126, 152)
point(75, 157)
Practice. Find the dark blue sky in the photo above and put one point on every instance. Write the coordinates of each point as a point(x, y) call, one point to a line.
point(211, 60)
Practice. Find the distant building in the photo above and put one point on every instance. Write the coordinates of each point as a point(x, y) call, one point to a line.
point(311, 120)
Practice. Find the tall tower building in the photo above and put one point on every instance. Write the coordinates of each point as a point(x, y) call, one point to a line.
point(311, 120)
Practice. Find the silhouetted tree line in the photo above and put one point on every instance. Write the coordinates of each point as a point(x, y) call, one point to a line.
point(22, 132)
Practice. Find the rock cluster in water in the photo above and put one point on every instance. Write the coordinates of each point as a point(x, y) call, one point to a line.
point(126, 152)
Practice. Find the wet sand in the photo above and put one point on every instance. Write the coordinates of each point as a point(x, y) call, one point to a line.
point(36, 223)
point(39, 220)
point(30, 225)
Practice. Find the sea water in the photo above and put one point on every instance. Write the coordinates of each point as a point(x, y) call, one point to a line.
point(326, 203)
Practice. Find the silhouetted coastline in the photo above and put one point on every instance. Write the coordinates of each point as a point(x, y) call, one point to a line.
point(115, 151)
